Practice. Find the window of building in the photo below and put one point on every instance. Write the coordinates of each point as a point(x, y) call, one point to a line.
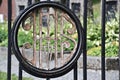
point(76, 8)
point(21, 8)
point(65, 2)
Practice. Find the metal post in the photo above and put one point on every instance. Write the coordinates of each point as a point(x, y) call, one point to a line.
point(85, 41)
point(103, 39)
point(9, 39)
point(75, 72)
point(119, 34)
point(48, 79)
point(20, 72)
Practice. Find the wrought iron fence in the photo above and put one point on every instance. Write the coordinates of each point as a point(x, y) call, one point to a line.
point(46, 23)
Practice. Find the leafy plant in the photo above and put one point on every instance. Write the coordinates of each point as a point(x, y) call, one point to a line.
point(111, 36)
point(110, 51)
point(24, 37)
point(3, 31)
point(93, 34)
point(95, 1)
point(93, 37)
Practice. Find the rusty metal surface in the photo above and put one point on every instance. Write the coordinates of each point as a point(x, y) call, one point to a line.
point(50, 43)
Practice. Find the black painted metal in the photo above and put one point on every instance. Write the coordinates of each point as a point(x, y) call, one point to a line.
point(52, 73)
point(84, 49)
point(85, 41)
point(103, 40)
point(75, 72)
point(9, 40)
point(48, 79)
point(119, 34)
point(20, 72)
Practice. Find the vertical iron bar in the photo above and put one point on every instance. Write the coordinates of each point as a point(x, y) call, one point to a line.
point(48, 79)
point(119, 34)
point(75, 72)
point(103, 39)
point(20, 72)
point(85, 41)
point(9, 39)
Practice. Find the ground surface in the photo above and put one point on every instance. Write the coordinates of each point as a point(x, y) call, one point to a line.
point(92, 74)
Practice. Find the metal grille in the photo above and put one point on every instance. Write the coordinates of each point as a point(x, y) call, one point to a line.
point(51, 39)
point(47, 49)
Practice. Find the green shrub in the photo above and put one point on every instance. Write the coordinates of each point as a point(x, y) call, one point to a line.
point(24, 37)
point(94, 32)
point(110, 51)
point(94, 38)
point(95, 1)
point(4, 43)
point(3, 32)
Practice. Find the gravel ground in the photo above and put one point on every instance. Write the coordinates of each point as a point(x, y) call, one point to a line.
point(92, 74)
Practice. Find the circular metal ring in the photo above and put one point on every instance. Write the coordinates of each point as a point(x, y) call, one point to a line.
point(60, 39)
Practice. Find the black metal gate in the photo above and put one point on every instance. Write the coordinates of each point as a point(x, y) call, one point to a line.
point(81, 34)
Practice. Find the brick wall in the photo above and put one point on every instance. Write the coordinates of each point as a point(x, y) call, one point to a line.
point(4, 9)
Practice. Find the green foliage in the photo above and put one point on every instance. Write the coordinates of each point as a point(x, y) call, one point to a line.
point(110, 51)
point(24, 36)
point(3, 31)
point(112, 31)
point(4, 43)
point(111, 38)
point(93, 34)
point(3, 34)
point(94, 51)
point(95, 1)
point(3, 76)
point(93, 37)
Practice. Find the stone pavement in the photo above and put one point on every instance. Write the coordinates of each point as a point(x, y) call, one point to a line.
point(92, 74)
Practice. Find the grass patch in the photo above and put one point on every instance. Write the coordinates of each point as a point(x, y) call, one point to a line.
point(3, 76)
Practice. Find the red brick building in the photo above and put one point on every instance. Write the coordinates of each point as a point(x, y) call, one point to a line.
point(19, 5)
point(4, 9)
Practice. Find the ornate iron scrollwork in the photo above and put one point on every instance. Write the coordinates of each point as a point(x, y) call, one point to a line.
point(50, 51)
